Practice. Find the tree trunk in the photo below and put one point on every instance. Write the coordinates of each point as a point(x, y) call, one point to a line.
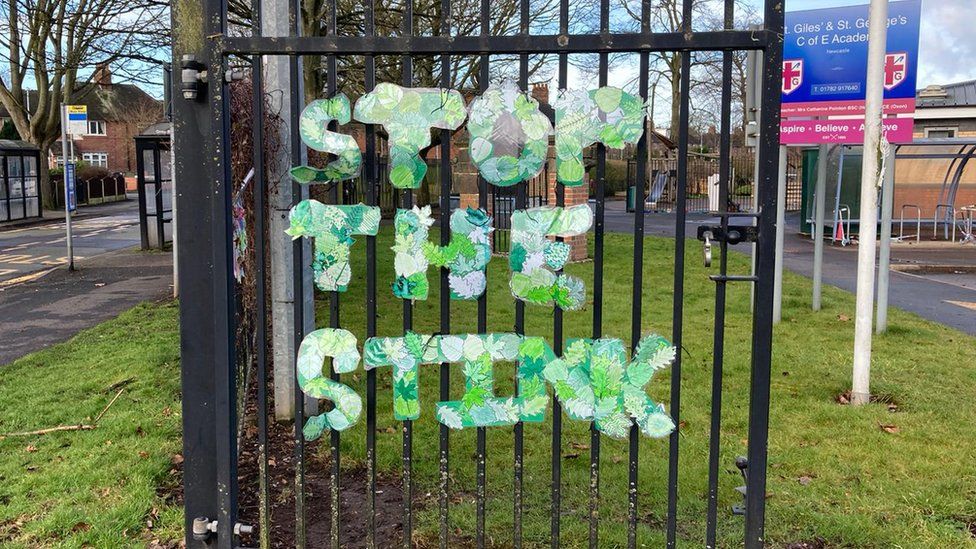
point(44, 180)
point(675, 69)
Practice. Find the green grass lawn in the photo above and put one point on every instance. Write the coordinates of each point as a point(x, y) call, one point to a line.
point(95, 488)
point(834, 473)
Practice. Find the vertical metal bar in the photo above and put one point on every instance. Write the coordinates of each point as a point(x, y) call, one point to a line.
point(762, 320)
point(677, 312)
point(638, 277)
point(601, 170)
point(557, 325)
point(197, 280)
point(225, 329)
point(298, 269)
point(261, 332)
point(372, 199)
point(140, 190)
point(718, 328)
point(481, 450)
point(407, 30)
point(445, 225)
point(158, 176)
point(521, 192)
point(334, 304)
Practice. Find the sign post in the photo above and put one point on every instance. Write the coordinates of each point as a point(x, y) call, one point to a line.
point(69, 177)
point(825, 79)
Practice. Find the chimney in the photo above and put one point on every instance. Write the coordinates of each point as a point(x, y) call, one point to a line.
point(103, 75)
point(540, 92)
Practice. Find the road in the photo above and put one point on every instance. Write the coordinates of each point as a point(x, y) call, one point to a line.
point(36, 248)
point(42, 304)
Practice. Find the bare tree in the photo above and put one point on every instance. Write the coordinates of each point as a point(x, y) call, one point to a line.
point(55, 46)
point(504, 19)
point(666, 16)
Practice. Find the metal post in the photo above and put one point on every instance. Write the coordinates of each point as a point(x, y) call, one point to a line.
point(168, 102)
point(193, 129)
point(884, 258)
point(780, 236)
point(820, 204)
point(868, 228)
point(67, 210)
point(281, 196)
point(757, 94)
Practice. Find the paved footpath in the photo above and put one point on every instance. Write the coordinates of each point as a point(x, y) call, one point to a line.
point(42, 304)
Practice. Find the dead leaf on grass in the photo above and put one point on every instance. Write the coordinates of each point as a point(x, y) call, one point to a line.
point(888, 428)
point(843, 318)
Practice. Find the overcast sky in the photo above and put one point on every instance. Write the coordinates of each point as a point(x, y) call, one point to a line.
point(947, 43)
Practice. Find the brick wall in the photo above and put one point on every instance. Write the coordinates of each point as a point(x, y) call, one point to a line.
point(118, 142)
point(573, 196)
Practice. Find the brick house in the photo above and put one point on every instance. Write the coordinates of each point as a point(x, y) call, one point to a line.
point(116, 114)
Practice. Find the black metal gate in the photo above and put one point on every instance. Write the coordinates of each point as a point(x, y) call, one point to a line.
point(210, 384)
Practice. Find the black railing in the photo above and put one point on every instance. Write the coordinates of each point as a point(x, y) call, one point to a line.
point(503, 204)
point(702, 185)
point(211, 422)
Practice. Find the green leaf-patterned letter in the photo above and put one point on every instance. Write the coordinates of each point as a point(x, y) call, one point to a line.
point(608, 115)
point(408, 114)
point(509, 135)
point(316, 347)
point(333, 228)
point(534, 257)
point(593, 383)
point(313, 127)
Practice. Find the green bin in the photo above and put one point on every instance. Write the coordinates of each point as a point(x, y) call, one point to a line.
point(632, 198)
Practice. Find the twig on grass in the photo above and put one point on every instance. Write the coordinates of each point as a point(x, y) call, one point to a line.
point(78, 427)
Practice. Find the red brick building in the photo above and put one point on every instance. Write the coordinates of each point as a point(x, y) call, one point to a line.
point(116, 114)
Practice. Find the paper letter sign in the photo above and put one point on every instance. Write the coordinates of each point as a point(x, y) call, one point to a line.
point(333, 228)
point(313, 126)
point(608, 115)
point(593, 384)
point(509, 135)
point(533, 255)
point(340, 345)
point(408, 114)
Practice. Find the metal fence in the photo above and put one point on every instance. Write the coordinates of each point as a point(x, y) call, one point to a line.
point(503, 204)
point(702, 184)
point(211, 423)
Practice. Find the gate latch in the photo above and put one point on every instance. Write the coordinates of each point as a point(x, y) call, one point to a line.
point(742, 464)
point(734, 234)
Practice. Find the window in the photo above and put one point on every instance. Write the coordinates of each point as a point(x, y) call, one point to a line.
point(95, 159)
point(96, 127)
point(940, 132)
